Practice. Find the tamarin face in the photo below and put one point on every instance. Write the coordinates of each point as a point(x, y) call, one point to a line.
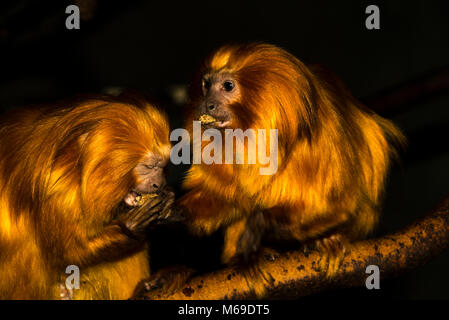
point(253, 86)
point(150, 177)
point(219, 91)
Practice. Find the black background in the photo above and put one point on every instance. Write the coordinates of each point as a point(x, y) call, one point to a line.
point(154, 46)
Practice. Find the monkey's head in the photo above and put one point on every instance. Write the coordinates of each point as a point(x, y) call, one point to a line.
point(255, 86)
point(220, 91)
point(116, 151)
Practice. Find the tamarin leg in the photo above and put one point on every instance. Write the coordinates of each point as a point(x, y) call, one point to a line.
point(332, 250)
point(249, 241)
point(331, 246)
point(231, 240)
point(242, 247)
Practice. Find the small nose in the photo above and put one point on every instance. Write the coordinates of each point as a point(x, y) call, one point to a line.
point(211, 107)
point(160, 184)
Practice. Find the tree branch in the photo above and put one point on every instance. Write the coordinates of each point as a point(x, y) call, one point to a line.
point(296, 274)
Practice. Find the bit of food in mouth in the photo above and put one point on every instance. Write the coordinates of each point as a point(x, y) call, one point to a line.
point(207, 119)
point(135, 199)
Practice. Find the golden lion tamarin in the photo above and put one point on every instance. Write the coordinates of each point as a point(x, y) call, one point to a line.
point(333, 156)
point(66, 178)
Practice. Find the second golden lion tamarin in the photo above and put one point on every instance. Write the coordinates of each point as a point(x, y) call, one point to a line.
point(333, 156)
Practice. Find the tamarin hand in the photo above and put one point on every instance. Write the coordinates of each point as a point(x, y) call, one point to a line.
point(155, 210)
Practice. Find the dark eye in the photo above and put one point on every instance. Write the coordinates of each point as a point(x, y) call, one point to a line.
point(228, 85)
point(206, 84)
point(148, 166)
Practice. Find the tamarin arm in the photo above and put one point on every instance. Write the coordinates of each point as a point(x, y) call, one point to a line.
point(111, 244)
point(206, 213)
point(318, 225)
point(122, 236)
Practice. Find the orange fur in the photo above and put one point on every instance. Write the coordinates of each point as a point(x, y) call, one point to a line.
point(334, 154)
point(62, 174)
